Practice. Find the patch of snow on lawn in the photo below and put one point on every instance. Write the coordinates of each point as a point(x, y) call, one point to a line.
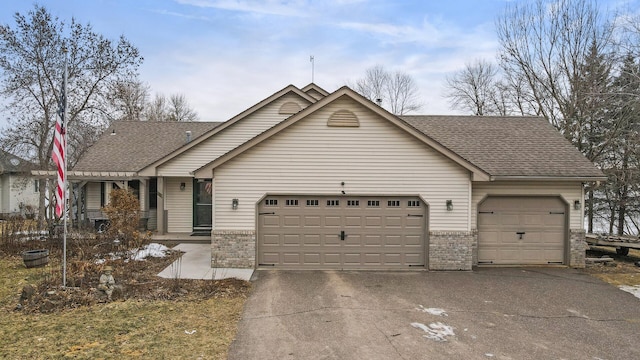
point(153, 249)
point(635, 290)
point(432, 311)
point(435, 331)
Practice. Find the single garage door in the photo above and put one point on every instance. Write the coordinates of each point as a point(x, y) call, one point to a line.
point(521, 231)
point(322, 232)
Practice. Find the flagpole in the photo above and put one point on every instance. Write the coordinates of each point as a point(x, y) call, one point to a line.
point(66, 187)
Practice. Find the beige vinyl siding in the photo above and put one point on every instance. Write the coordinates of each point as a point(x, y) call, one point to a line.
point(568, 191)
point(93, 195)
point(20, 190)
point(311, 158)
point(229, 138)
point(4, 194)
point(179, 205)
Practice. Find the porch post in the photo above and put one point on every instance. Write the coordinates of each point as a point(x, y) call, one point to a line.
point(160, 206)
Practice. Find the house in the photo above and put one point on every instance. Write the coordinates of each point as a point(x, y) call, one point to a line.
point(19, 191)
point(307, 179)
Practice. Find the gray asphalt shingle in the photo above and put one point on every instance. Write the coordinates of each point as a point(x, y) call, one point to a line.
point(507, 146)
point(132, 145)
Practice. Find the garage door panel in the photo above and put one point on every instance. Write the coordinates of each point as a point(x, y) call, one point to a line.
point(413, 240)
point(311, 239)
point(312, 221)
point(393, 240)
point(270, 220)
point(291, 221)
point(333, 221)
point(311, 258)
point(292, 240)
point(352, 221)
point(373, 258)
point(372, 240)
point(373, 221)
point(393, 222)
point(291, 258)
point(271, 239)
point(541, 220)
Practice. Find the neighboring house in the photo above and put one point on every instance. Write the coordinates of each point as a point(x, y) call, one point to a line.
point(18, 189)
point(311, 180)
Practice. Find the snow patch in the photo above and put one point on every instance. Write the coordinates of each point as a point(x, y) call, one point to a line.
point(435, 331)
point(153, 249)
point(432, 311)
point(635, 290)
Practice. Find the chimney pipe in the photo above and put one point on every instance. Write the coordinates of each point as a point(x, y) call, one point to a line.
point(188, 135)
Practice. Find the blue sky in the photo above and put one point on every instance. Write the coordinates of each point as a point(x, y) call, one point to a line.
point(226, 55)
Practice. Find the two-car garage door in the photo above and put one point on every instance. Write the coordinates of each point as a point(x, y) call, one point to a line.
point(522, 231)
point(341, 232)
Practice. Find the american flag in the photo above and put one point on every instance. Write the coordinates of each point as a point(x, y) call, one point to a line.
point(59, 147)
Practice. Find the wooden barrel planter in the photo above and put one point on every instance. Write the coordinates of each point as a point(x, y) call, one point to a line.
point(35, 258)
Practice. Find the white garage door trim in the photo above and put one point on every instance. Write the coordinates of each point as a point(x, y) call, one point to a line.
point(341, 232)
point(522, 230)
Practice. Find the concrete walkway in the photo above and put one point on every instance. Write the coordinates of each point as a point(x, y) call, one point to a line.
point(195, 263)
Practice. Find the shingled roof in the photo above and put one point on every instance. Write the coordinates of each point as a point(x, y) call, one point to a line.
point(10, 163)
point(507, 146)
point(132, 145)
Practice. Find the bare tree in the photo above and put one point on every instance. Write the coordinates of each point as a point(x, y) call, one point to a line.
point(32, 63)
point(156, 109)
point(475, 88)
point(179, 109)
point(396, 91)
point(543, 44)
point(373, 84)
point(175, 108)
point(402, 93)
point(129, 99)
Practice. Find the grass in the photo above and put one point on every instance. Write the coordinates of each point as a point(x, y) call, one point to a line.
point(135, 328)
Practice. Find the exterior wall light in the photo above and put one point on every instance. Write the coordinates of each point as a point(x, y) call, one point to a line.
point(576, 205)
point(449, 205)
point(234, 204)
point(182, 186)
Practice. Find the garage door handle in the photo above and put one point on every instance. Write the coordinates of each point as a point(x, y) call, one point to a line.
point(520, 233)
point(266, 213)
point(342, 235)
point(411, 215)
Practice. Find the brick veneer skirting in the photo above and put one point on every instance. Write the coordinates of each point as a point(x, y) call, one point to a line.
point(577, 248)
point(233, 249)
point(451, 250)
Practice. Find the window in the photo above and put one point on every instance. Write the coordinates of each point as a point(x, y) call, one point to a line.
point(413, 203)
point(333, 202)
point(313, 203)
point(393, 203)
point(373, 203)
point(271, 202)
point(353, 203)
point(36, 185)
point(291, 202)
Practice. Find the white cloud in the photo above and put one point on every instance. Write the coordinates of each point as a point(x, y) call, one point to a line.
point(267, 7)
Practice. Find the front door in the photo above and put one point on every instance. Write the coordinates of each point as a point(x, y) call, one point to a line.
point(202, 211)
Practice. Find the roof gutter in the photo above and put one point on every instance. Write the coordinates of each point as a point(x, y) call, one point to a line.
point(547, 178)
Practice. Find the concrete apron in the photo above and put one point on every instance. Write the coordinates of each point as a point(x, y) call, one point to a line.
point(195, 263)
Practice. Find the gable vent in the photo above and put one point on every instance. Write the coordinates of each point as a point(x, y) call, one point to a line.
point(289, 108)
point(343, 118)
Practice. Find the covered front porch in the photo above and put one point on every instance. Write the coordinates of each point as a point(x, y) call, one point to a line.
point(172, 208)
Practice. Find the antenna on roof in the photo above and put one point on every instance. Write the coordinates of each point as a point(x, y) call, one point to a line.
point(312, 59)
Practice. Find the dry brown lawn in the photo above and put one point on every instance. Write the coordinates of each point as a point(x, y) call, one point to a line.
point(623, 271)
point(196, 325)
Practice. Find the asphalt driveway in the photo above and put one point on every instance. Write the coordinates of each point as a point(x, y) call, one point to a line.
point(502, 313)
